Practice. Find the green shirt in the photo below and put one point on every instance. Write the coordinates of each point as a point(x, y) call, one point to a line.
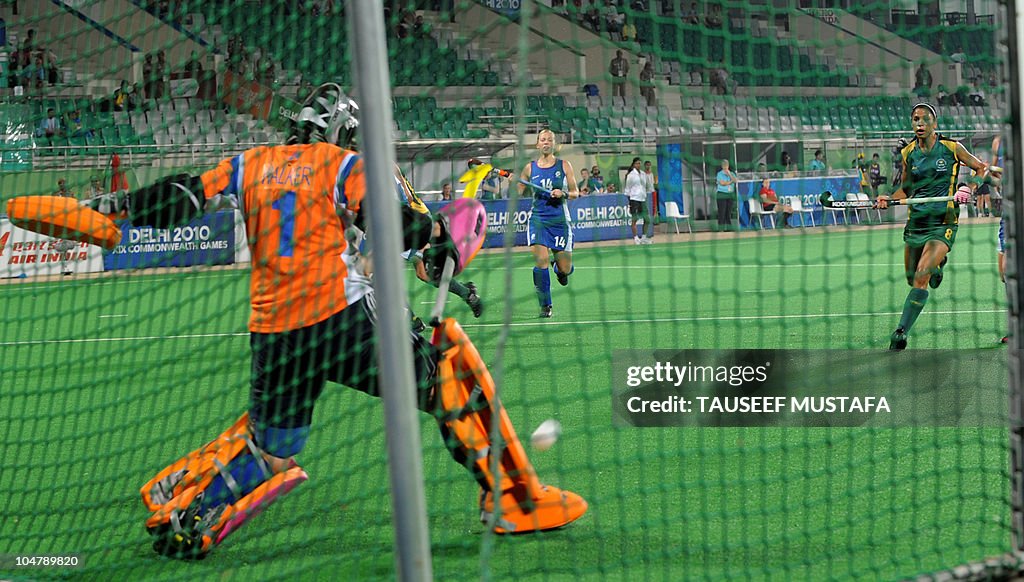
point(931, 174)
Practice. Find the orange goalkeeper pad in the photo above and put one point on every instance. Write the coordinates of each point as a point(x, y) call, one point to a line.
point(65, 218)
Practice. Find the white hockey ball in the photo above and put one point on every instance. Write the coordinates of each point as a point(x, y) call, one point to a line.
point(546, 434)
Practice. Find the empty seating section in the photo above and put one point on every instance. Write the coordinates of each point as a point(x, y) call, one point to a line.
point(865, 114)
point(751, 60)
point(975, 42)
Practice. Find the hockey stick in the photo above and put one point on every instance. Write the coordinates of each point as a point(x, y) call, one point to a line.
point(476, 165)
point(827, 201)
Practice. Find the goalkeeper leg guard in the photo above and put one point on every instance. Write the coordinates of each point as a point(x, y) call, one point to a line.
point(198, 468)
point(184, 530)
point(465, 399)
point(192, 508)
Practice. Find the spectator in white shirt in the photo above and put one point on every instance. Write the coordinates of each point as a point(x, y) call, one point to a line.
point(636, 190)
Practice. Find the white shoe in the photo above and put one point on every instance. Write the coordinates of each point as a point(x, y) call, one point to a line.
point(647, 240)
point(636, 240)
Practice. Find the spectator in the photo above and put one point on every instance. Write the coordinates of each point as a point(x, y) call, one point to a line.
point(619, 69)
point(596, 181)
point(651, 186)
point(922, 82)
point(14, 66)
point(976, 95)
point(942, 96)
point(647, 84)
point(63, 246)
point(897, 163)
point(584, 181)
point(446, 191)
point(718, 80)
point(194, 67)
point(994, 89)
point(51, 126)
point(35, 74)
point(236, 54)
point(51, 66)
point(406, 24)
point(76, 127)
point(961, 96)
point(725, 195)
point(62, 189)
point(592, 19)
point(628, 31)
point(96, 194)
point(692, 16)
point(150, 81)
point(875, 177)
point(863, 167)
point(714, 19)
point(490, 188)
point(163, 73)
point(770, 202)
point(818, 163)
point(420, 29)
point(635, 190)
point(612, 20)
point(786, 163)
point(29, 45)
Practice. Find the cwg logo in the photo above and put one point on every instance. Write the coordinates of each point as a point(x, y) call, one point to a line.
point(3, 241)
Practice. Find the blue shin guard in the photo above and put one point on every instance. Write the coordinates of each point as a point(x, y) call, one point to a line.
point(542, 283)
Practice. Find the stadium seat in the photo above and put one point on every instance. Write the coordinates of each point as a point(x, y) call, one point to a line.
point(865, 198)
point(757, 210)
point(672, 213)
point(796, 203)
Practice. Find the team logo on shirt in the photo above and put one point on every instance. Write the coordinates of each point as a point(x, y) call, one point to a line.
point(940, 165)
point(558, 173)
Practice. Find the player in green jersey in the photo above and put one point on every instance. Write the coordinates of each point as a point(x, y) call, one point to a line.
point(931, 168)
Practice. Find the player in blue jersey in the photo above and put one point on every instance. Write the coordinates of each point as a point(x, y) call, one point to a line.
point(549, 228)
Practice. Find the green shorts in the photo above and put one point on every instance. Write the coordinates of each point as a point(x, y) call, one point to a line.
point(919, 231)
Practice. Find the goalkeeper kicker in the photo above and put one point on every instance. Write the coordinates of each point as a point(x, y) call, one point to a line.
point(313, 321)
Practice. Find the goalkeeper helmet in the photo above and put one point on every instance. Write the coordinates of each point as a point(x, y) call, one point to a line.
point(327, 115)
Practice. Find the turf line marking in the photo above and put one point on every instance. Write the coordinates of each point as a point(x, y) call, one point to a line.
point(724, 318)
point(122, 339)
point(518, 324)
point(113, 315)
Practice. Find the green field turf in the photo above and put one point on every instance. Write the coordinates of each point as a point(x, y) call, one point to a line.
point(107, 380)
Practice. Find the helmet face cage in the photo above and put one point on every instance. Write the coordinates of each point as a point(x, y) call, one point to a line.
point(328, 115)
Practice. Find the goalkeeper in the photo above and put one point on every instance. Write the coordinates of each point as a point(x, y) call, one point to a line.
point(931, 168)
point(313, 321)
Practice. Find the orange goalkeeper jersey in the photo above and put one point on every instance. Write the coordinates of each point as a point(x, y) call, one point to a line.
point(290, 197)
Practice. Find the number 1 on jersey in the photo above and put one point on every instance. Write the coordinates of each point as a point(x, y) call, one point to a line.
point(286, 206)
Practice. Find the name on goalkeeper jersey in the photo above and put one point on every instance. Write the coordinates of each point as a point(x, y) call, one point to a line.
point(759, 404)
